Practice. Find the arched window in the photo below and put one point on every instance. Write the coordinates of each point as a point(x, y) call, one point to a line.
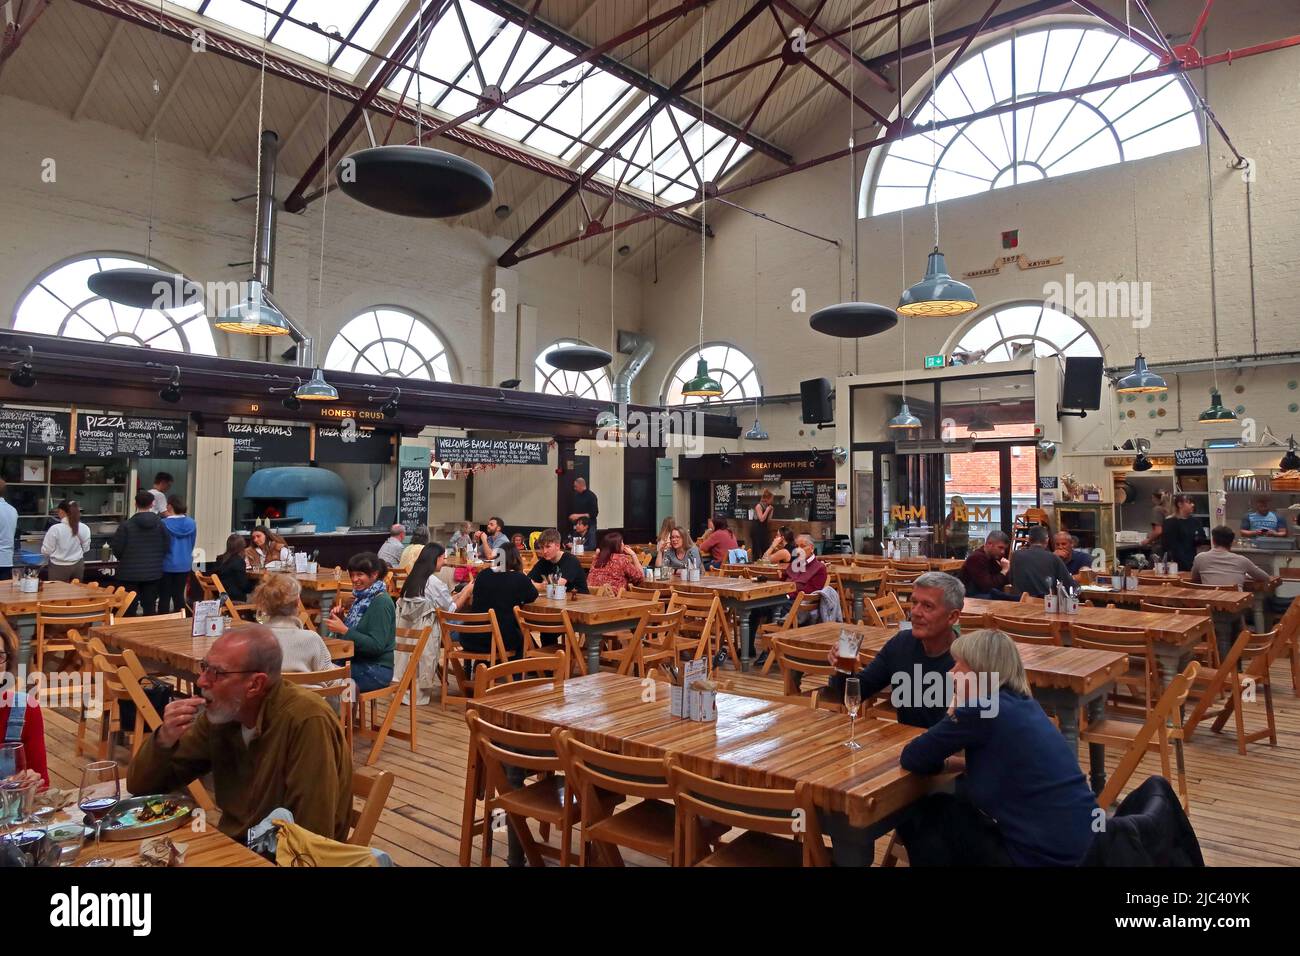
point(553, 381)
point(1113, 125)
point(392, 342)
point(61, 303)
point(995, 336)
point(732, 368)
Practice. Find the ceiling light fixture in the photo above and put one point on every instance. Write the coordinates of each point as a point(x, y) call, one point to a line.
point(1290, 461)
point(317, 390)
point(23, 373)
point(389, 408)
point(171, 387)
point(1141, 380)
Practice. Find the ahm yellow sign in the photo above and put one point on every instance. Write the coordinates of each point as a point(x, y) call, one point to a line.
point(907, 513)
point(962, 513)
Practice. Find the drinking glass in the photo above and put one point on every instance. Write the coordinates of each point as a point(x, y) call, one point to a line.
point(852, 703)
point(101, 789)
point(12, 760)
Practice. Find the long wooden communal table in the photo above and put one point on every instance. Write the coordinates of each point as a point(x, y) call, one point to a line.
point(1226, 601)
point(757, 743)
point(593, 616)
point(1063, 679)
point(1175, 635)
point(324, 584)
point(171, 645)
point(739, 597)
point(18, 610)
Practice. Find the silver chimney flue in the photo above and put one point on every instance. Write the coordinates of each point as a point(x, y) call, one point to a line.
point(638, 349)
point(264, 266)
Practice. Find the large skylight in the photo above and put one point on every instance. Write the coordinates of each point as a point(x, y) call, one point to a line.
point(580, 111)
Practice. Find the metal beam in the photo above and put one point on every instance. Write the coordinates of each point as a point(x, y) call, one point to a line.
point(17, 29)
point(975, 30)
point(510, 256)
point(807, 22)
point(98, 72)
point(634, 77)
point(948, 37)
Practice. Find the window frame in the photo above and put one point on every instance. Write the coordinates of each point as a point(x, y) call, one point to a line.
point(453, 368)
point(691, 356)
point(991, 312)
point(549, 373)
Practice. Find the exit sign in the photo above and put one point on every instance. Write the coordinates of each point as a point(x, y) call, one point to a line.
point(934, 361)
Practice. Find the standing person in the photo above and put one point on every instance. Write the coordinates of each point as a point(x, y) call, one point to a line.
point(370, 623)
point(586, 506)
point(719, 540)
point(1159, 512)
point(1035, 570)
point(140, 544)
point(391, 550)
point(616, 565)
point(760, 531)
point(553, 559)
point(1263, 522)
point(1220, 565)
point(957, 528)
point(8, 532)
point(502, 592)
point(66, 544)
point(232, 568)
point(419, 538)
point(1182, 533)
point(491, 540)
point(162, 486)
point(182, 532)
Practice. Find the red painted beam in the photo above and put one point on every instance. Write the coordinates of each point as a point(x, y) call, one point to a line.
point(809, 24)
point(14, 32)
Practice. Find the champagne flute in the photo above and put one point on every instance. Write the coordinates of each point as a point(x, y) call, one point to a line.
point(852, 703)
point(101, 789)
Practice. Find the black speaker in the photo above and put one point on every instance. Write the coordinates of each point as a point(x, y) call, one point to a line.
point(1082, 388)
point(816, 395)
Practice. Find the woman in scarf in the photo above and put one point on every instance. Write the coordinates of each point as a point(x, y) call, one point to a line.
point(370, 623)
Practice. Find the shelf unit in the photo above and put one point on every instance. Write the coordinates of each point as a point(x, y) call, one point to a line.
point(35, 501)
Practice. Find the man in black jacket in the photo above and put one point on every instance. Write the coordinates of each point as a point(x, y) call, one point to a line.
point(553, 559)
point(140, 545)
point(585, 506)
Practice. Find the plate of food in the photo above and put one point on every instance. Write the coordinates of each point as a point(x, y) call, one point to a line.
point(140, 817)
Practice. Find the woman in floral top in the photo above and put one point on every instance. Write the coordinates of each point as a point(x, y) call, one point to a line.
point(616, 565)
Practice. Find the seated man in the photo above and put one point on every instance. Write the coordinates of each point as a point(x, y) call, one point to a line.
point(1221, 565)
point(1067, 549)
point(582, 529)
point(553, 559)
point(267, 744)
point(1035, 570)
point(985, 570)
point(808, 576)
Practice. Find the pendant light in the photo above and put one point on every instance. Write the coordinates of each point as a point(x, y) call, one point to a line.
point(1140, 381)
point(904, 420)
point(255, 313)
point(854, 319)
point(756, 431)
point(980, 421)
point(1216, 414)
point(317, 389)
point(148, 288)
point(937, 293)
point(415, 180)
point(1290, 461)
point(580, 357)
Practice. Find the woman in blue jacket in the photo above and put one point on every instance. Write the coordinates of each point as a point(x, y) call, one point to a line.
point(181, 532)
point(1022, 800)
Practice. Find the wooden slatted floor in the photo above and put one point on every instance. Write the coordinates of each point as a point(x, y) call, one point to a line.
point(1246, 810)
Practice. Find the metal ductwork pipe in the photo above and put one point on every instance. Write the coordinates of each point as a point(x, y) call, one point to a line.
point(638, 349)
point(264, 266)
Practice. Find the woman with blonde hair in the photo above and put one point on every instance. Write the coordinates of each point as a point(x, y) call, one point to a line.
point(1022, 800)
point(760, 532)
point(276, 600)
point(666, 528)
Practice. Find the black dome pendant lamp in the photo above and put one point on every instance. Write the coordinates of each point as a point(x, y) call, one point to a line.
point(415, 180)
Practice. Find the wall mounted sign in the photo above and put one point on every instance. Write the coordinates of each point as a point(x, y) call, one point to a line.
point(124, 436)
point(290, 444)
point(413, 486)
point(484, 451)
point(1048, 481)
point(935, 361)
point(1191, 458)
point(751, 467)
point(352, 445)
point(1024, 262)
point(33, 432)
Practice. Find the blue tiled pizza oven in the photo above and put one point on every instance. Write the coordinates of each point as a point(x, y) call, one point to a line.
point(309, 495)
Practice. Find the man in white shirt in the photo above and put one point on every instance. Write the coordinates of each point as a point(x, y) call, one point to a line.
point(162, 486)
point(391, 550)
point(1223, 566)
point(8, 530)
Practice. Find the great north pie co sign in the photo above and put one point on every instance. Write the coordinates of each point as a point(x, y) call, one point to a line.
point(487, 451)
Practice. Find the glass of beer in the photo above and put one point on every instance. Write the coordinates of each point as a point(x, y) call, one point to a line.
point(846, 652)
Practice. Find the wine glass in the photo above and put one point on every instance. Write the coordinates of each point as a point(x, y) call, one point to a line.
point(101, 789)
point(852, 703)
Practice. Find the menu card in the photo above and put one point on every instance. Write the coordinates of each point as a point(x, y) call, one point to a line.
point(204, 612)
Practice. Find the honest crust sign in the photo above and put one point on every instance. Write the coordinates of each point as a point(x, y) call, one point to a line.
point(488, 451)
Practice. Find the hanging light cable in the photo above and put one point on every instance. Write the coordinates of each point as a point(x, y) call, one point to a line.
point(937, 293)
point(756, 431)
point(904, 419)
point(1216, 414)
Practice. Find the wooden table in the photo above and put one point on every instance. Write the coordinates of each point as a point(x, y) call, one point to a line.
point(859, 580)
point(1226, 601)
point(752, 743)
point(1176, 635)
point(171, 644)
point(740, 596)
point(593, 616)
point(18, 610)
point(324, 584)
point(1064, 680)
point(209, 848)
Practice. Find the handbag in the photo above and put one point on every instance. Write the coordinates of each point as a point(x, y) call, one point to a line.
point(159, 694)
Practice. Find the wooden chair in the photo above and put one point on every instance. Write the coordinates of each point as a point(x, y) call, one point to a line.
point(766, 815)
point(812, 702)
point(914, 569)
point(549, 632)
point(1023, 631)
point(180, 615)
point(701, 629)
point(1255, 653)
point(648, 593)
point(372, 788)
point(545, 800)
point(453, 624)
point(109, 713)
point(335, 685)
point(883, 611)
point(1163, 726)
point(969, 621)
point(804, 603)
point(206, 585)
point(409, 641)
point(1142, 676)
point(1198, 586)
point(1208, 651)
point(245, 611)
point(602, 781)
point(652, 645)
point(55, 618)
point(1289, 625)
point(797, 663)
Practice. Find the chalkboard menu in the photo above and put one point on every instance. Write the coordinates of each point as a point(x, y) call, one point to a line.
point(804, 488)
point(279, 443)
point(118, 436)
point(352, 445)
point(27, 432)
point(824, 502)
point(413, 495)
point(724, 498)
point(1191, 458)
point(490, 451)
